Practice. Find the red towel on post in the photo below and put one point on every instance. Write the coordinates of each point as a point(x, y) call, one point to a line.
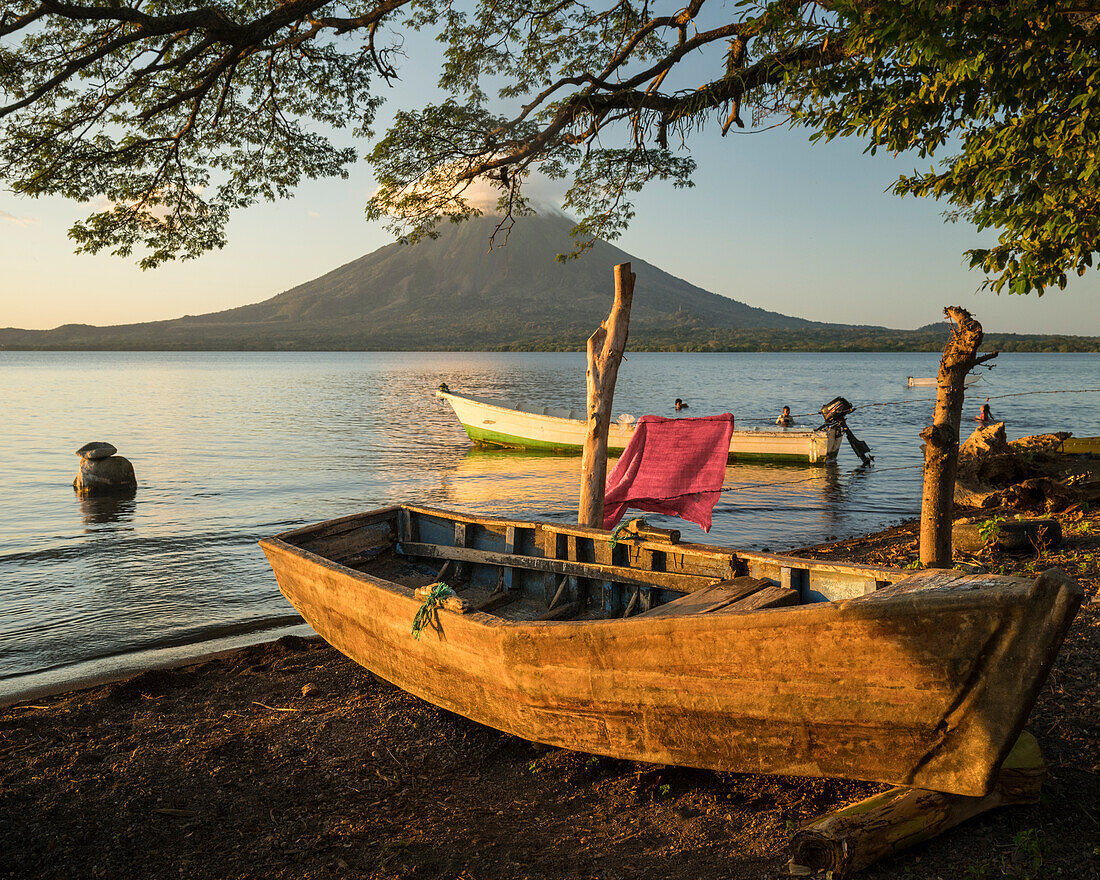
point(673, 466)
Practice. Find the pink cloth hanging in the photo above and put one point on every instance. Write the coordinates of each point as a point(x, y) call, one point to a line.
point(673, 466)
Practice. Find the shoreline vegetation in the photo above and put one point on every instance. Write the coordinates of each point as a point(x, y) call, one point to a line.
point(810, 340)
point(288, 760)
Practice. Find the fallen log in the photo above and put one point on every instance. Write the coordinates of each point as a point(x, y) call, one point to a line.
point(861, 834)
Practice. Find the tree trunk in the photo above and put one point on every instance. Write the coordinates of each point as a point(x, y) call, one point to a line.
point(605, 352)
point(941, 439)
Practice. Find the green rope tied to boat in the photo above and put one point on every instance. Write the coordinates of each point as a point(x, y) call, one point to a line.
point(440, 592)
point(619, 529)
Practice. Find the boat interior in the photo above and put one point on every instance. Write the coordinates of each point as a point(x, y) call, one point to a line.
point(557, 412)
point(538, 571)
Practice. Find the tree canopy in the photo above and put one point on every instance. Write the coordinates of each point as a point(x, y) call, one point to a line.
point(169, 114)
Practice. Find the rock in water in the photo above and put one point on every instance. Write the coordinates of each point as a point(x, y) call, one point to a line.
point(113, 474)
point(95, 451)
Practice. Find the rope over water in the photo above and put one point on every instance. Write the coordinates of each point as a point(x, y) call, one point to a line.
point(912, 400)
point(439, 594)
point(812, 479)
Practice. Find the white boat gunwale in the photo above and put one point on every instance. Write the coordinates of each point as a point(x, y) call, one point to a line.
point(808, 445)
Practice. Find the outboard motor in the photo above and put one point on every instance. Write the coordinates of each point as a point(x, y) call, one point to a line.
point(835, 413)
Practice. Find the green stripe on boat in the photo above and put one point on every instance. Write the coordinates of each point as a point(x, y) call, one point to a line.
point(483, 437)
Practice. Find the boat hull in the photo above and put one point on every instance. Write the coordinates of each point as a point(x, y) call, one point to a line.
point(921, 687)
point(1081, 446)
point(490, 425)
point(932, 382)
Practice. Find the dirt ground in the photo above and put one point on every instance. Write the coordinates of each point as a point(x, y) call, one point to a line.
point(287, 760)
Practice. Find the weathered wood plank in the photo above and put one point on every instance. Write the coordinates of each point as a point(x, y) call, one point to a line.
point(509, 547)
point(769, 597)
point(365, 556)
point(700, 551)
point(563, 586)
point(461, 540)
point(498, 600)
point(342, 524)
point(871, 572)
point(709, 598)
point(562, 612)
point(339, 546)
point(668, 580)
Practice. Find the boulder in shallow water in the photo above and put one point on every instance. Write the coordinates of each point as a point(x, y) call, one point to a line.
point(96, 451)
point(103, 476)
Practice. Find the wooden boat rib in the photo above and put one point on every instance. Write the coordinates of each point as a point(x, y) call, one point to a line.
point(736, 661)
point(556, 429)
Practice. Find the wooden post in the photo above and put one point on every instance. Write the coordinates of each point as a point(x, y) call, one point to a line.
point(860, 834)
point(941, 439)
point(605, 352)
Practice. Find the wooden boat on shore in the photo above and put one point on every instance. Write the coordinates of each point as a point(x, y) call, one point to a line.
point(557, 429)
point(690, 654)
point(1080, 446)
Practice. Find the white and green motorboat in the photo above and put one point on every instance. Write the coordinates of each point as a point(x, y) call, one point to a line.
point(557, 429)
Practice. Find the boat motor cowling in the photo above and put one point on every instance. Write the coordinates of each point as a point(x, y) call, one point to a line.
point(835, 414)
point(835, 411)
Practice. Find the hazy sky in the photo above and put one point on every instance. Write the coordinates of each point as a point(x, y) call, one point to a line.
point(773, 221)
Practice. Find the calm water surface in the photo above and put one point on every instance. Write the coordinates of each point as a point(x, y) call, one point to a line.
point(229, 447)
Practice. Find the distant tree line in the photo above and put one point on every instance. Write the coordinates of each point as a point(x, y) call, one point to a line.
point(258, 337)
point(812, 340)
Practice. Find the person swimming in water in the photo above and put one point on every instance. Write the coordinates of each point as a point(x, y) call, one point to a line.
point(985, 414)
point(680, 405)
point(785, 419)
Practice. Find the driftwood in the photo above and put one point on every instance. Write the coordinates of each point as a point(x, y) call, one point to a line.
point(605, 353)
point(861, 834)
point(941, 439)
point(1009, 536)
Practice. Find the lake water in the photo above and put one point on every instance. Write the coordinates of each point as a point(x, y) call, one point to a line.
point(230, 447)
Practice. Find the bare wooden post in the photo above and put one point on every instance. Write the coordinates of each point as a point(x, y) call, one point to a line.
point(605, 352)
point(941, 438)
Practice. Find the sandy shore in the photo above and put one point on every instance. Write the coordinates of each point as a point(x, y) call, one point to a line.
point(287, 760)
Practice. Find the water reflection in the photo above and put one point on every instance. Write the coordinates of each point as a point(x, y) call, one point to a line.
point(510, 481)
point(234, 446)
point(104, 509)
point(525, 483)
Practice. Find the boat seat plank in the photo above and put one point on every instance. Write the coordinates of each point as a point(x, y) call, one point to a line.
point(596, 571)
point(709, 599)
point(769, 597)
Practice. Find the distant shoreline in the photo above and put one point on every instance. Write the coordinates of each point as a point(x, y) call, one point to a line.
point(784, 341)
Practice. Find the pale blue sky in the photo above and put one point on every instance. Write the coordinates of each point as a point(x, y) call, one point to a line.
point(773, 221)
